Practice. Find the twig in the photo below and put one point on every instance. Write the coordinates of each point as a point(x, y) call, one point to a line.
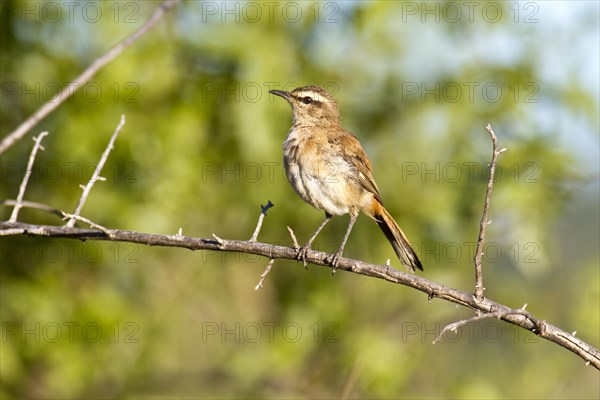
point(264, 274)
point(87, 221)
point(294, 240)
point(90, 71)
point(484, 218)
point(19, 201)
point(262, 216)
point(455, 325)
point(432, 289)
point(219, 241)
point(34, 205)
point(96, 176)
point(496, 314)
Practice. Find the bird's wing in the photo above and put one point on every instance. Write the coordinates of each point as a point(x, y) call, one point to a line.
point(353, 152)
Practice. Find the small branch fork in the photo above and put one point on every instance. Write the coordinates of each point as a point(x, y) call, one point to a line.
point(485, 308)
point(478, 297)
point(455, 325)
point(484, 217)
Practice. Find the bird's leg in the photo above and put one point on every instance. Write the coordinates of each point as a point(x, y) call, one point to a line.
point(338, 254)
point(302, 251)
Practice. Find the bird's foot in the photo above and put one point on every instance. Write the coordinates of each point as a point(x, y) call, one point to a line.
point(301, 254)
point(335, 259)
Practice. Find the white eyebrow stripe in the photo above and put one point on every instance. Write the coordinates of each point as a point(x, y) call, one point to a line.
point(314, 95)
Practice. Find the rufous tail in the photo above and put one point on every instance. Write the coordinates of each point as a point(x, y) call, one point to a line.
point(397, 238)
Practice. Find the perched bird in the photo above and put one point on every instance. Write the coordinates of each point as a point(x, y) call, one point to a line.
point(328, 168)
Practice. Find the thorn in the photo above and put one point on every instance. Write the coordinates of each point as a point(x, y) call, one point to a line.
point(502, 150)
point(180, 232)
point(101, 178)
point(387, 262)
point(430, 297)
point(489, 222)
point(574, 333)
point(218, 239)
point(523, 307)
point(294, 240)
point(82, 187)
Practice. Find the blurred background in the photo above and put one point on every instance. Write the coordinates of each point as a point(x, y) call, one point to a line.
point(417, 82)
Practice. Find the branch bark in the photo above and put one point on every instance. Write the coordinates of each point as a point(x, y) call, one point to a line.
point(518, 317)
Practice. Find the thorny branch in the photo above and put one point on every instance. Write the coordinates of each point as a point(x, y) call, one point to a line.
point(264, 274)
point(96, 176)
point(455, 325)
point(262, 216)
point(85, 76)
point(479, 249)
point(19, 201)
point(432, 289)
point(484, 217)
point(485, 307)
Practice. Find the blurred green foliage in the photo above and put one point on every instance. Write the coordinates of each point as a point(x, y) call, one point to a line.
point(417, 83)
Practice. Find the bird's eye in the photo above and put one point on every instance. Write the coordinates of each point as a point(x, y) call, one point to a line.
point(307, 99)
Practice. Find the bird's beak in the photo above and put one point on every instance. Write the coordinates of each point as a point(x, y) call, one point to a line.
point(281, 93)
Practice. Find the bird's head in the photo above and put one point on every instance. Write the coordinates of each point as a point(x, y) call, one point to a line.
point(311, 105)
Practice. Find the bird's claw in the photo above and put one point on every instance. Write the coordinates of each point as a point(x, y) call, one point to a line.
point(301, 255)
point(302, 252)
point(335, 259)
